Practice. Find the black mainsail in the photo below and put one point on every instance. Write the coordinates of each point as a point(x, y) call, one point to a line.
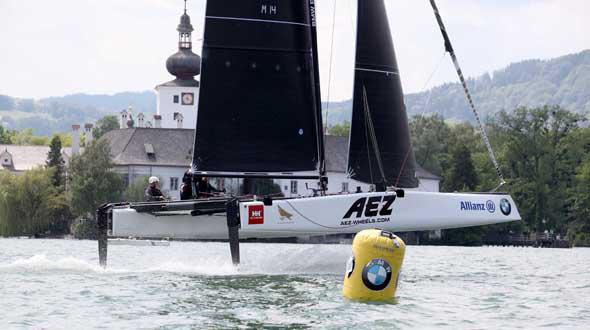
point(257, 112)
point(380, 149)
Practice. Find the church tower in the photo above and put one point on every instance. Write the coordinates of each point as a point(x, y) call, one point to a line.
point(178, 97)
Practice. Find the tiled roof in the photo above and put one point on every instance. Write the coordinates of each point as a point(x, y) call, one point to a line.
point(171, 146)
point(424, 174)
point(174, 147)
point(28, 157)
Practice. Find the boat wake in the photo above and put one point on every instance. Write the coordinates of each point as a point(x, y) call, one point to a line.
point(208, 260)
point(265, 259)
point(41, 263)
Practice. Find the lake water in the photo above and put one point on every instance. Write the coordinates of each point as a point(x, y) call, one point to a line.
point(56, 284)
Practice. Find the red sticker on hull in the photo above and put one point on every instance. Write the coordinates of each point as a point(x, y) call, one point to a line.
point(256, 214)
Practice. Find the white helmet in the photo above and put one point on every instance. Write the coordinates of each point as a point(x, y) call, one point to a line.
point(153, 179)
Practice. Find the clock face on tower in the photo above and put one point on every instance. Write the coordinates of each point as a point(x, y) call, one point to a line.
point(188, 99)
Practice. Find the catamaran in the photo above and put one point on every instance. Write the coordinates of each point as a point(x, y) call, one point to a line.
point(260, 116)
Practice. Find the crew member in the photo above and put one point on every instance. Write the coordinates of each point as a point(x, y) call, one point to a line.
point(205, 189)
point(186, 189)
point(153, 192)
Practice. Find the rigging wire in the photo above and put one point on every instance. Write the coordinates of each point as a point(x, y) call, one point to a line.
point(399, 175)
point(451, 51)
point(330, 68)
point(427, 103)
point(368, 148)
point(369, 126)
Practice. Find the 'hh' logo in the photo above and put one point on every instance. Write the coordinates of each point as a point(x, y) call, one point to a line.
point(371, 207)
point(256, 214)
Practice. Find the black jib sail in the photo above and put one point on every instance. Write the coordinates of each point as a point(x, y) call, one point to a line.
point(257, 112)
point(380, 149)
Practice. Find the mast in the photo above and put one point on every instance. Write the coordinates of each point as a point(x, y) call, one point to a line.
point(318, 98)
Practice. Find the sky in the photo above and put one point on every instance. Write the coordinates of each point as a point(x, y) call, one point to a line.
point(60, 47)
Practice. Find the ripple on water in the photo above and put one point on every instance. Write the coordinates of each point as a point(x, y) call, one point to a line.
point(57, 284)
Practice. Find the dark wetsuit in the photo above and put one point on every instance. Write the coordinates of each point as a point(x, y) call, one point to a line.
point(205, 189)
point(186, 189)
point(153, 194)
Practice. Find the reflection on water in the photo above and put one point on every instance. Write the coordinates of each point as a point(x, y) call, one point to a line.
point(57, 284)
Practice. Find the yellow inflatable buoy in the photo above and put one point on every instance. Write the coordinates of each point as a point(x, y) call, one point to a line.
point(372, 272)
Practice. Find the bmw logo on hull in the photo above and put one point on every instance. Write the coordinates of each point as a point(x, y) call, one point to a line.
point(505, 206)
point(377, 274)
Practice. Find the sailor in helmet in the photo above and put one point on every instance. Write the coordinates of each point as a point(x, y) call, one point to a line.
point(153, 192)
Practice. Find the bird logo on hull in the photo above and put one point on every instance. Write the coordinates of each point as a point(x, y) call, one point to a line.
point(284, 215)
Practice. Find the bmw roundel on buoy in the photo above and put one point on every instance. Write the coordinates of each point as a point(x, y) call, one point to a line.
point(377, 274)
point(373, 270)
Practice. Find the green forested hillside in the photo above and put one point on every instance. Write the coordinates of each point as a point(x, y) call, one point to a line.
point(563, 81)
point(57, 114)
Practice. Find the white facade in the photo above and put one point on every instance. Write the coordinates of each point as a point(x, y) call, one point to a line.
point(174, 100)
point(428, 185)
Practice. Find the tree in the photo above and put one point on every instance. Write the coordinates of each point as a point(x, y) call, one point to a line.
point(578, 156)
point(579, 228)
point(136, 190)
point(4, 136)
point(31, 205)
point(535, 154)
point(65, 138)
point(93, 180)
point(461, 176)
point(430, 135)
point(26, 137)
point(340, 129)
point(56, 162)
point(104, 125)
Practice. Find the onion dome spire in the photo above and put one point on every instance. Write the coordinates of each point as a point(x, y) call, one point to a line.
point(184, 30)
point(184, 64)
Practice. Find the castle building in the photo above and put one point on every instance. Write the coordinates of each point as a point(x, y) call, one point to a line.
point(162, 146)
point(177, 99)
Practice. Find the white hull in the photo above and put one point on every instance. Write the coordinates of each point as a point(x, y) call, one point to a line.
point(348, 213)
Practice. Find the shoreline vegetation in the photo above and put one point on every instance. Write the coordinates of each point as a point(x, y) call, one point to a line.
point(544, 153)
